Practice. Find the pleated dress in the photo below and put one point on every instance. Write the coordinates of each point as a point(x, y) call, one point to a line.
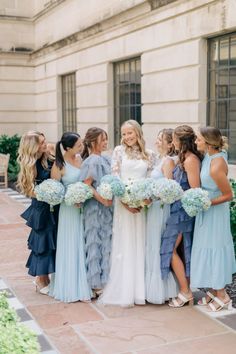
point(69, 283)
point(157, 290)
point(213, 258)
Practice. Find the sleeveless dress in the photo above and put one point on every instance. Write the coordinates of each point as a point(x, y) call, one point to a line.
point(179, 222)
point(157, 290)
point(70, 281)
point(43, 222)
point(213, 258)
point(97, 224)
point(126, 285)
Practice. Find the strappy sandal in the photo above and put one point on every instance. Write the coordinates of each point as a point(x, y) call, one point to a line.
point(184, 300)
point(204, 301)
point(222, 305)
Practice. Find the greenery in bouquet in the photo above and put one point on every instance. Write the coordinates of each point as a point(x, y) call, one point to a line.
point(136, 191)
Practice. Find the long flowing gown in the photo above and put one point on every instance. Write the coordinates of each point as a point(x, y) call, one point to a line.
point(213, 258)
point(70, 281)
point(157, 289)
point(126, 285)
point(43, 222)
point(97, 224)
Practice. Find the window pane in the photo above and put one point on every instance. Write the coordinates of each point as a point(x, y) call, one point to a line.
point(213, 54)
point(69, 122)
point(222, 115)
point(224, 51)
point(232, 78)
point(127, 92)
point(233, 50)
point(213, 84)
point(223, 84)
point(213, 114)
point(232, 111)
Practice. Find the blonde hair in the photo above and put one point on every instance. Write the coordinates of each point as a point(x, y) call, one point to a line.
point(27, 157)
point(214, 138)
point(140, 140)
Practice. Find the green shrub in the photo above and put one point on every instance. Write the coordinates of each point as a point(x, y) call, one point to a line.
point(14, 336)
point(233, 212)
point(10, 145)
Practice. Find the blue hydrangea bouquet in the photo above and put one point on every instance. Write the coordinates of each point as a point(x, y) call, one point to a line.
point(50, 191)
point(167, 190)
point(111, 186)
point(195, 200)
point(78, 193)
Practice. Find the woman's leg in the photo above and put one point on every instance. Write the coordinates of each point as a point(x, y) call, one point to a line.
point(179, 270)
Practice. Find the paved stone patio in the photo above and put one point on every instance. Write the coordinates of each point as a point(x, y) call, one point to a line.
point(80, 328)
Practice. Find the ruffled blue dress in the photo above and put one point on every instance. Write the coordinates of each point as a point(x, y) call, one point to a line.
point(70, 281)
point(213, 258)
point(97, 224)
point(157, 289)
point(179, 222)
point(43, 222)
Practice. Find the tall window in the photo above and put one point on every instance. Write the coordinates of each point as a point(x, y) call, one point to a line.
point(69, 122)
point(222, 88)
point(127, 87)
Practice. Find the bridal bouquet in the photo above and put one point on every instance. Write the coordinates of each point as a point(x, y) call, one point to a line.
point(111, 186)
point(167, 190)
point(195, 200)
point(77, 193)
point(50, 191)
point(136, 191)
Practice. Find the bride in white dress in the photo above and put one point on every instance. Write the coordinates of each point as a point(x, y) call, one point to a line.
point(126, 284)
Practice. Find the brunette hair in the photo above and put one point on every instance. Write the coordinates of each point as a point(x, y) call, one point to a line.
point(168, 134)
point(91, 140)
point(186, 136)
point(214, 138)
point(68, 140)
point(140, 140)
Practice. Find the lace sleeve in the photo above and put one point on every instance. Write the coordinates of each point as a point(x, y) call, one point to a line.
point(152, 162)
point(116, 161)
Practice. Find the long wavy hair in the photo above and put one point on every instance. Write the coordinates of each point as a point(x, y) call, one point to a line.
point(91, 139)
point(27, 157)
point(140, 140)
point(186, 136)
point(214, 138)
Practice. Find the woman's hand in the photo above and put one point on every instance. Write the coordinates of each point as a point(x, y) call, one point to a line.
point(131, 210)
point(147, 201)
point(107, 202)
point(78, 205)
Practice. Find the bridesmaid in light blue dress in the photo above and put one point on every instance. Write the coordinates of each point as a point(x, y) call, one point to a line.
point(213, 258)
point(70, 283)
point(98, 212)
point(157, 289)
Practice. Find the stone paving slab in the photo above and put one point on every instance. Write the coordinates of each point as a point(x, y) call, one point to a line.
point(80, 328)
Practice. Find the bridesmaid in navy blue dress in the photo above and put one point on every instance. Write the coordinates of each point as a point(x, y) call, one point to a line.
point(177, 237)
point(35, 166)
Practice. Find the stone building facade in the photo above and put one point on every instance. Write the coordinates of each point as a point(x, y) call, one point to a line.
point(73, 64)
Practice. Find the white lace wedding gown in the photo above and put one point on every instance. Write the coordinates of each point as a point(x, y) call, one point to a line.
point(126, 284)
